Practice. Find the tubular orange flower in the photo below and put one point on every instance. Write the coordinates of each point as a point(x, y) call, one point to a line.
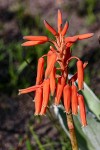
point(36, 38)
point(71, 39)
point(59, 21)
point(53, 81)
point(38, 100)
point(32, 43)
point(67, 98)
point(80, 74)
point(84, 36)
point(49, 56)
point(28, 90)
point(74, 100)
point(50, 65)
point(51, 29)
point(82, 110)
point(59, 90)
point(65, 28)
point(46, 92)
point(40, 70)
point(74, 77)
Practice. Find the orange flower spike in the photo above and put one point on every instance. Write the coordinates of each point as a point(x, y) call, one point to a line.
point(53, 81)
point(67, 98)
point(50, 65)
point(46, 92)
point(36, 38)
point(74, 100)
point(84, 36)
point(59, 21)
point(40, 70)
point(51, 29)
point(80, 74)
point(38, 100)
point(82, 110)
point(59, 90)
point(32, 43)
point(65, 28)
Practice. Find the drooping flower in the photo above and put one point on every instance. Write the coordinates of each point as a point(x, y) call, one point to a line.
point(54, 80)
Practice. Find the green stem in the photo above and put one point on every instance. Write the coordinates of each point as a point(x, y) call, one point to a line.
point(72, 131)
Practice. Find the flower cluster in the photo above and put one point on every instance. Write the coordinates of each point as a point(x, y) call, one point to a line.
point(54, 79)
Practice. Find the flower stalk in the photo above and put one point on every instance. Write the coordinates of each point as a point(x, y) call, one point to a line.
point(71, 128)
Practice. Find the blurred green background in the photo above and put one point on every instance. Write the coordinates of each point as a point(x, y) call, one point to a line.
point(18, 66)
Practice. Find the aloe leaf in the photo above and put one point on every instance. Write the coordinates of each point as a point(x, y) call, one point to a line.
point(92, 101)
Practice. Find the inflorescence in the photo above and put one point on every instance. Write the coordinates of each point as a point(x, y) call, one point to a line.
point(54, 79)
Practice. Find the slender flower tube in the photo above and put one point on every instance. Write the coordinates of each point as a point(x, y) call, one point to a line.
point(36, 38)
point(74, 77)
point(71, 39)
point(32, 43)
point(59, 21)
point(51, 29)
point(67, 98)
point(74, 100)
point(84, 36)
point(46, 92)
point(65, 28)
point(82, 110)
point(49, 56)
point(59, 90)
point(50, 65)
point(40, 70)
point(38, 100)
point(28, 90)
point(80, 74)
point(53, 81)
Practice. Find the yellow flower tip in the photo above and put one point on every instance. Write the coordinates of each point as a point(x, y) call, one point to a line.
point(83, 126)
point(19, 93)
point(36, 114)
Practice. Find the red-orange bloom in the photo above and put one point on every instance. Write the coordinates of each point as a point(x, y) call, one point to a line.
point(40, 70)
point(80, 74)
point(67, 98)
point(82, 110)
point(32, 43)
point(65, 28)
point(74, 100)
point(59, 21)
point(53, 81)
point(50, 65)
point(51, 29)
point(36, 38)
point(38, 100)
point(59, 90)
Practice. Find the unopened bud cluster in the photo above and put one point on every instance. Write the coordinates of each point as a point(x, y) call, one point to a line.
point(54, 81)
